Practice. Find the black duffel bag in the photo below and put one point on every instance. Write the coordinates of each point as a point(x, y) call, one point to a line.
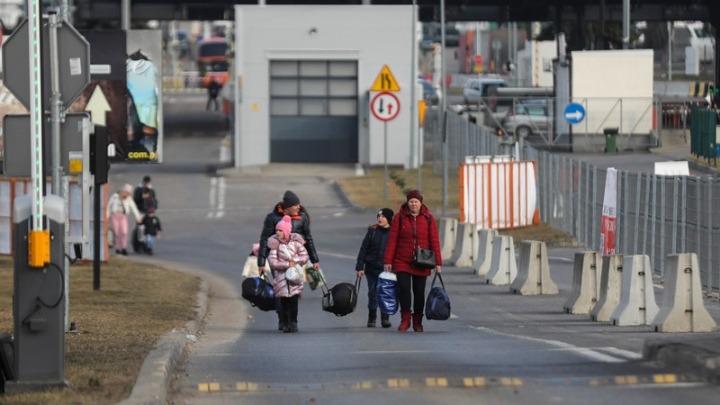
point(437, 305)
point(259, 292)
point(341, 299)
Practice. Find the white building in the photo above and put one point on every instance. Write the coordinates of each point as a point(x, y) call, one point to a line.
point(303, 79)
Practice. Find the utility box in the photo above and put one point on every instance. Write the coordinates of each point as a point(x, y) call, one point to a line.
point(611, 140)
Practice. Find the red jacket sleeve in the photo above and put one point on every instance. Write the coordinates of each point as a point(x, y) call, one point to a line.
point(435, 241)
point(392, 241)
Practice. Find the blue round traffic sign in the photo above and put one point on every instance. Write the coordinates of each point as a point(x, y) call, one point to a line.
point(574, 113)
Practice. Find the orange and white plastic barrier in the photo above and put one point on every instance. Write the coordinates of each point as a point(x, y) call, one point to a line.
point(498, 194)
point(10, 188)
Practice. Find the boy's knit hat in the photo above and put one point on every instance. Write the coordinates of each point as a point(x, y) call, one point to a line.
point(387, 213)
point(285, 225)
point(290, 199)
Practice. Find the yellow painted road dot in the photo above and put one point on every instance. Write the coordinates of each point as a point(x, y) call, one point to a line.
point(665, 378)
point(468, 382)
point(214, 387)
point(366, 385)
point(241, 386)
point(252, 387)
point(506, 382)
point(594, 382)
point(516, 382)
point(392, 383)
point(203, 387)
point(620, 380)
point(479, 381)
point(632, 380)
point(404, 383)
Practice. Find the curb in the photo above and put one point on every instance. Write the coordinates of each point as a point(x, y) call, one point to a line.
point(155, 377)
point(345, 199)
point(687, 357)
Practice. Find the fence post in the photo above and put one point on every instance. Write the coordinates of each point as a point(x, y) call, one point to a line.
point(647, 216)
point(709, 229)
point(662, 226)
point(636, 236)
point(626, 211)
point(653, 241)
point(683, 215)
point(619, 221)
point(698, 215)
point(570, 221)
point(595, 219)
point(676, 197)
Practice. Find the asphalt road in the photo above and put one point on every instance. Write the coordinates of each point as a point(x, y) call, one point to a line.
point(497, 348)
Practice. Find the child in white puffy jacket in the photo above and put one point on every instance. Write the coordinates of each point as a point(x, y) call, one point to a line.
point(287, 250)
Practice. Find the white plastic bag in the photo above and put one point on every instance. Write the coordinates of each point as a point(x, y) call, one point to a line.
point(294, 275)
point(251, 268)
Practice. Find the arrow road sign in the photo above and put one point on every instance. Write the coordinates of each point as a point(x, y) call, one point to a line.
point(98, 106)
point(74, 63)
point(385, 106)
point(574, 113)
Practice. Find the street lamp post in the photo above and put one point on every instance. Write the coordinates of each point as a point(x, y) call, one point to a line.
point(443, 111)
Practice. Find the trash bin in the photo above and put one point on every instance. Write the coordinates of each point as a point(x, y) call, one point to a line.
point(611, 140)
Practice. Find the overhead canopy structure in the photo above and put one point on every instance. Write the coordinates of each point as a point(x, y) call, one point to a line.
point(107, 12)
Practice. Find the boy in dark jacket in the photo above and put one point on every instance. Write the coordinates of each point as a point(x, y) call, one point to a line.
point(370, 262)
point(152, 229)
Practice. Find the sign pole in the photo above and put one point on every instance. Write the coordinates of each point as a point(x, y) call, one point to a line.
point(385, 182)
point(36, 115)
point(96, 235)
point(55, 105)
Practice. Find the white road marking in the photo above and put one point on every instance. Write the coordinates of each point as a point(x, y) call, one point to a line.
point(453, 316)
point(621, 352)
point(222, 192)
point(582, 351)
point(338, 255)
point(561, 259)
point(213, 197)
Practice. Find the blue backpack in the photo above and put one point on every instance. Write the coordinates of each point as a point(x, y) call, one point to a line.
point(387, 293)
point(437, 305)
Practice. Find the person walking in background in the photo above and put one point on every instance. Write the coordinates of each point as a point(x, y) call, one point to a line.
point(300, 219)
point(213, 91)
point(119, 207)
point(144, 195)
point(287, 249)
point(152, 229)
point(370, 262)
point(412, 227)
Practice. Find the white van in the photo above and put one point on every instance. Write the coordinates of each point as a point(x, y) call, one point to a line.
point(695, 35)
point(477, 89)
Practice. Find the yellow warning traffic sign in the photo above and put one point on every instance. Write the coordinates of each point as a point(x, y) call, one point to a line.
point(385, 81)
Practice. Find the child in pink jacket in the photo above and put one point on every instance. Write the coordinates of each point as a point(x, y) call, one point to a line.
point(287, 249)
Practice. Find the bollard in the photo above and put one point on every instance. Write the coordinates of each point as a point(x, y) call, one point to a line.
point(682, 307)
point(637, 298)
point(485, 251)
point(448, 229)
point(465, 246)
point(610, 284)
point(586, 283)
point(503, 269)
point(533, 276)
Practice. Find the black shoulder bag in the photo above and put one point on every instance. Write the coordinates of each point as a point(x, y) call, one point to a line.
point(422, 258)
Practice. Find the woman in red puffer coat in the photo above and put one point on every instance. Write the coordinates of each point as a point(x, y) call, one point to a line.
point(413, 226)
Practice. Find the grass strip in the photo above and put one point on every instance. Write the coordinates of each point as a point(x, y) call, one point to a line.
point(118, 326)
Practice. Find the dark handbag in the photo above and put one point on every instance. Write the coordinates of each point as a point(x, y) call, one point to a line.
point(437, 305)
point(422, 258)
point(341, 299)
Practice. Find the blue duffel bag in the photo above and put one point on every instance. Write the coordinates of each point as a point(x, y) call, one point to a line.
point(437, 305)
point(387, 293)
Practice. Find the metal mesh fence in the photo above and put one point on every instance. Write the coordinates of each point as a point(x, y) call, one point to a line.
point(656, 215)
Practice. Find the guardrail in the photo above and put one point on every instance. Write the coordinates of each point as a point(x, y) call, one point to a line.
point(657, 215)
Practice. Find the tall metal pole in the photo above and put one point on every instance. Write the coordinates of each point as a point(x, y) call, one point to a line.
point(443, 110)
point(386, 177)
point(413, 83)
point(626, 24)
point(125, 14)
point(36, 114)
point(55, 105)
point(670, 39)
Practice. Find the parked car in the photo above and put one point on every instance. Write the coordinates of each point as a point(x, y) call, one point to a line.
point(475, 90)
point(528, 117)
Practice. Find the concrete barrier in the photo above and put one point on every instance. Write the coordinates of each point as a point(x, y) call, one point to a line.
point(503, 269)
point(533, 276)
point(448, 230)
point(637, 298)
point(610, 285)
point(682, 308)
point(485, 251)
point(586, 283)
point(465, 246)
